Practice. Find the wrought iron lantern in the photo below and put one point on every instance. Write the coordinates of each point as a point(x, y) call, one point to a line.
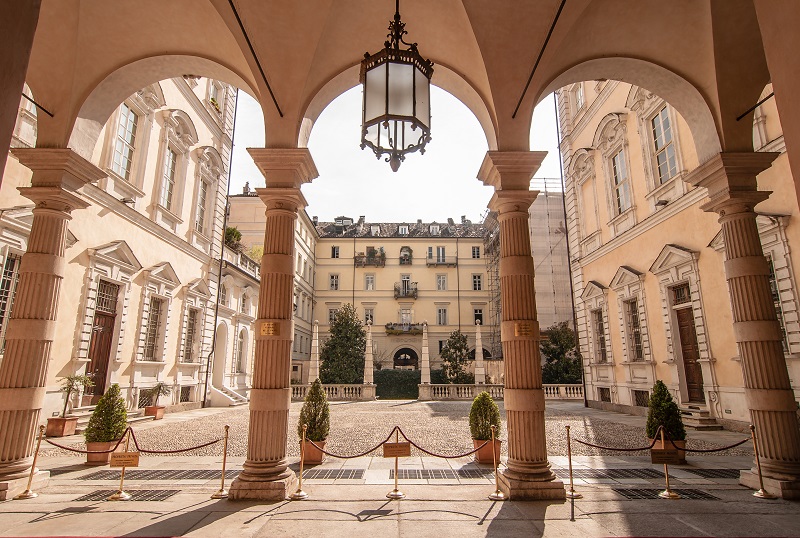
point(396, 113)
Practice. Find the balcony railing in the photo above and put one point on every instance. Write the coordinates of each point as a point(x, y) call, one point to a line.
point(405, 260)
point(404, 329)
point(449, 261)
point(369, 261)
point(405, 290)
point(469, 392)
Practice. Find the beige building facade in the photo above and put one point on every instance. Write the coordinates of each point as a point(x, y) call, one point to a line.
point(650, 292)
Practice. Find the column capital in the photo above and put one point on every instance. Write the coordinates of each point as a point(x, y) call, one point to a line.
point(510, 201)
point(510, 169)
point(288, 198)
point(54, 167)
point(731, 181)
point(287, 167)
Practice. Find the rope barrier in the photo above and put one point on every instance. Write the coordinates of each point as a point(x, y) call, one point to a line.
point(376, 447)
point(415, 445)
point(624, 449)
point(135, 443)
point(743, 441)
point(655, 440)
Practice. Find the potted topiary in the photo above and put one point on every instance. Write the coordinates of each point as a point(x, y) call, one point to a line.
point(484, 414)
point(64, 425)
point(662, 410)
point(315, 414)
point(154, 410)
point(106, 425)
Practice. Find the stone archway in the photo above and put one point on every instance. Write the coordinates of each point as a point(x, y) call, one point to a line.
point(405, 359)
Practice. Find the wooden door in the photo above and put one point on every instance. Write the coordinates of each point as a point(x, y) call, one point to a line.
point(100, 351)
point(691, 354)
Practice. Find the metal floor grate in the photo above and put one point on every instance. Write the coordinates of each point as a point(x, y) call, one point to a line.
point(440, 474)
point(640, 494)
point(64, 470)
point(613, 474)
point(334, 474)
point(161, 474)
point(136, 495)
point(715, 473)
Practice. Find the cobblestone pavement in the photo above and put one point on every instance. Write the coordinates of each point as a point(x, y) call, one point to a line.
point(440, 427)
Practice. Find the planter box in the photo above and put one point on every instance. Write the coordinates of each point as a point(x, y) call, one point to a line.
point(155, 411)
point(484, 455)
point(311, 454)
point(680, 444)
point(101, 459)
point(61, 426)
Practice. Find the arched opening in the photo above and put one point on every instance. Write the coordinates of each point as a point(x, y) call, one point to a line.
point(405, 359)
point(241, 353)
point(220, 355)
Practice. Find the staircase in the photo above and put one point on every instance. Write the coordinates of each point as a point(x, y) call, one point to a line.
point(85, 413)
point(697, 418)
point(237, 398)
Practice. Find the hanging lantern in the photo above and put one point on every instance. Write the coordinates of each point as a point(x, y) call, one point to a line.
point(396, 113)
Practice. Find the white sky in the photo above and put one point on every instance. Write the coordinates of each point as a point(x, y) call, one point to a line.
point(353, 182)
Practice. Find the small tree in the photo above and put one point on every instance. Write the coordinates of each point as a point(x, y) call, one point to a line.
point(109, 419)
point(159, 389)
point(70, 384)
point(562, 358)
point(315, 414)
point(255, 252)
point(662, 410)
point(484, 414)
point(455, 356)
point(233, 238)
point(342, 354)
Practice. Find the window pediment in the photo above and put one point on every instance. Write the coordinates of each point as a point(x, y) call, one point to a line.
point(610, 131)
point(180, 127)
point(117, 253)
point(164, 274)
point(593, 289)
point(199, 288)
point(672, 256)
point(625, 275)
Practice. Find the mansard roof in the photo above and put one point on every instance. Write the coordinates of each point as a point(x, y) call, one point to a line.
point(465, 229)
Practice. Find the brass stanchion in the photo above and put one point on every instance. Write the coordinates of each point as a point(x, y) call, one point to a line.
point(571, 493)
point(497, 495)
point(28, 494)
point(223, 493)
point(667, 493)
point(761, 493)
point(396, 493)
point(300, 495)
point(121, 494)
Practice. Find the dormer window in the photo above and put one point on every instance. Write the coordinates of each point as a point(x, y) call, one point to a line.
point(375, 230)
point(402, 230)
point(434, 229)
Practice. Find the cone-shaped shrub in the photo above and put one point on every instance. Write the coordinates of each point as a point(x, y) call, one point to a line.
point(109, 419)
point(315, 414)
point(482, 415)
point(663, 410)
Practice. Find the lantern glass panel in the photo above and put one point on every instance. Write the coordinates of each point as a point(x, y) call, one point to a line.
point(423, 112)
point(401, 87)
point(372, 134)
point(375, 93)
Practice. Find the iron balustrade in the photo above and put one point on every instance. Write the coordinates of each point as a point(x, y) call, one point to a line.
point(449, 261)
point(404, 290)
point(369, 261)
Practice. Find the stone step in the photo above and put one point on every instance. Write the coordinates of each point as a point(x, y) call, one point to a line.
point(699, 419)
point(133, 418)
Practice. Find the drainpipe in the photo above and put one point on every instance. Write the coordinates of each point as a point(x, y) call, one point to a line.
point(210, 357)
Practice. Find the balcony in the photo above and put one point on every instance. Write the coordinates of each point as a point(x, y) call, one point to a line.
point(447, 261)
point(405, 290)
point(405, 260)
point(403, 329)
point(361, 260)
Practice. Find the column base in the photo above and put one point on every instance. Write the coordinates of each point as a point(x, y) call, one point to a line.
point(516, 488)
point(784, 487)
point(259, 484)
point(11, 488)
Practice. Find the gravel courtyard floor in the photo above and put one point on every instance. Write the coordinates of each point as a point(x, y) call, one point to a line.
point(440, 427)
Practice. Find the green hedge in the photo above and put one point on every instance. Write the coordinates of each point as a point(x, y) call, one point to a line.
point(397, 384)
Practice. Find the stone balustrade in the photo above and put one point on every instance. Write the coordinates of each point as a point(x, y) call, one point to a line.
point(468, 392)
point(338, 392)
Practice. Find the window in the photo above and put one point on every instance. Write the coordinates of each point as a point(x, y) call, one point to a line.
point(405, 316)
point(441, 316)
point(168, 185)
point(622, 191)
point(478, 315)
point(369, 282)
point(430, 253)
point(665, 150)
point(441, 345)
point(191, 335)
point(477, 282)
point(334, 252)
point(8, 289)
point(244, 304)
point(776, 299)
point(153, 331)
point(124, 143)
point(681, 294)
point(598, 328)
point(604, 393)
point(440, 256)
point(223, 295)
point(186, 394)
point(334, 282)
point(434, 229)
point(641, 398)
point(476, 253)
point(441, 282)
point(402, 230)
point(240, 352)
point(577, 94)
point(369, 315)
point(633, 330)
point(107, 294)
point(331, 315)
point(202, 197)
point(375, 230)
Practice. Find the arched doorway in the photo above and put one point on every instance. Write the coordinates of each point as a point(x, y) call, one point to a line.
point(220, 346)
point(405, 359)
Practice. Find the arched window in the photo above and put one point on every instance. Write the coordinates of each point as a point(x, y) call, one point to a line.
point(240, 352)
point(223, 295)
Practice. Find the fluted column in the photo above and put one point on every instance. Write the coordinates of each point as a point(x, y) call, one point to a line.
point(57, 174)
point(480, 370)
point(265, 474)
point(528, 474)
point(731, 182)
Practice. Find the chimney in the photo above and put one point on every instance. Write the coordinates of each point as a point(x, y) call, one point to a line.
point(361, 219)
point(419, 221)
point(450, 221)
point(315, 220)
point(463, 219)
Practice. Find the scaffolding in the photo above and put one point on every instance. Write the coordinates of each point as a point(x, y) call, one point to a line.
point(491, 249)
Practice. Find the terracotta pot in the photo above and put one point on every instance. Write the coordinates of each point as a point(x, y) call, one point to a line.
point(61, 426)
point(680, 444)
point(313, 455)
point(484, 455)
point(101, 459)
point(155, 411)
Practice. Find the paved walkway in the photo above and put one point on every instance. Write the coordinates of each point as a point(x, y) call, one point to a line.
point(444, 497)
